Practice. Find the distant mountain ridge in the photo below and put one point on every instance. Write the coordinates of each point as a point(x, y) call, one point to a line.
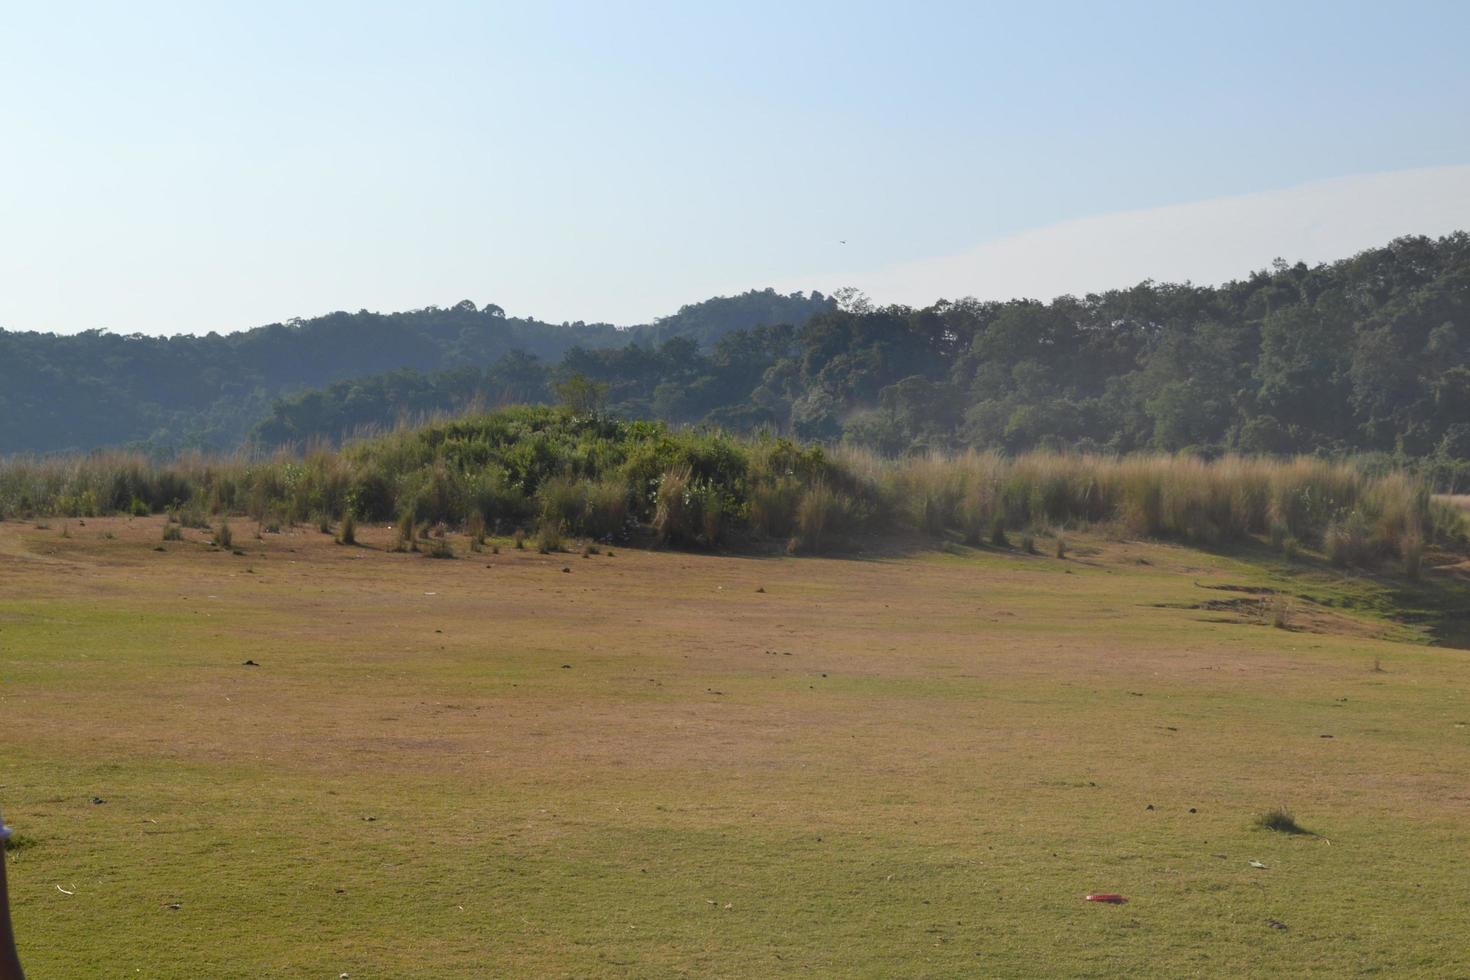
point(96, 389)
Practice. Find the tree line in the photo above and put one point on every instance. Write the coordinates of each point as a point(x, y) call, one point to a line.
point(1370, 354)
point(165, 394)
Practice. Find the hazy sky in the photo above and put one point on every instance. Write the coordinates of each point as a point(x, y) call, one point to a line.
point(198, 166)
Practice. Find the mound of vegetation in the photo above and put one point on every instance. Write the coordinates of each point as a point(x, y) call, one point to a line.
point(591, 475)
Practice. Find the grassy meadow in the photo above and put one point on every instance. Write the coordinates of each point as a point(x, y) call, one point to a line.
point(913, 761)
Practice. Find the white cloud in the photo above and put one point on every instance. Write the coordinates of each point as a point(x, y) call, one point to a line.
point(1205, 242)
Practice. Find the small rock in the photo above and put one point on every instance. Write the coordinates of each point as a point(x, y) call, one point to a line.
point(566, 666)
point(1276, 924)
point(567, 569)
point(250, 663)
point(1193, 810)
point(1149, 807)
point(760, 588)
point(98, 801)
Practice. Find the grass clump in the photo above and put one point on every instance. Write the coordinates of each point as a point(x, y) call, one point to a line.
point(475, 531)
point(549, 537)
point(348, 534)
point(406, 539)
point(223, 536)
point(173, 532)
point(1281, 821)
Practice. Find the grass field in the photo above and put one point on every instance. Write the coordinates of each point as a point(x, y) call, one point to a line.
point(675, 764)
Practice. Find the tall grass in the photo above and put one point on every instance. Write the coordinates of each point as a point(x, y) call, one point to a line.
point(602, 478)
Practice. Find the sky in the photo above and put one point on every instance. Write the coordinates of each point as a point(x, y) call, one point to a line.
point(188, 167)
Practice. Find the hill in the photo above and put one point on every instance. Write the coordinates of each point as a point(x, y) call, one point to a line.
point(96, 389)
point(1370, 354)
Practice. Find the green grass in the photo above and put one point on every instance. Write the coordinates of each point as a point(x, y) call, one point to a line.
point(979, 755)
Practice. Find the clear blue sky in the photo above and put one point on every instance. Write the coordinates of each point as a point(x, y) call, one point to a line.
point(197, 166)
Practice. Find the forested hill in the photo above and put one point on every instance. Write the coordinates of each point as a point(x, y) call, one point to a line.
point(1371, 353)
point(98, 389)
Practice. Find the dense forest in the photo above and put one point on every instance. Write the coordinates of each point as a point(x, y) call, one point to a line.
point(95, 389)
point(1368, 354)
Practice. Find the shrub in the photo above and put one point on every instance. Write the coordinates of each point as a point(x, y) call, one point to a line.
point(1061, 545)
point(1028, 542)
point(519, 539)
point(549, 537)
point(1347, 543)
point(672, 510)
point(606, 507)
point(1279, 820)
point(977, 510)
point(998, 532)
point(173, 532)
point(563, 502)
point(814, 516)
point(1279, 612)
point(441, 548)
point(406, 539)
point(773, 506)
point(223, 536)
point(349, 529)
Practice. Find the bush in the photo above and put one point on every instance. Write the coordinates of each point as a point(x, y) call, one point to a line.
point(818, 516)
point(173, 532)
point(549, 537)
point(606, 512)
point(563, 502)
point(223, 536)
point(773, 506)
point(1279, 820)
point(998, 532)
point(406, 539)
point(1347, 542)
point(672, 516)
point(349, 529)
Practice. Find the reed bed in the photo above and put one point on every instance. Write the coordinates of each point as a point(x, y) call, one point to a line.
point(603, 478)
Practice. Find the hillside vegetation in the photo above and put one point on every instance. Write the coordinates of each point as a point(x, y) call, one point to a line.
point(98, 390)
point(1366, 355)
point(562, 473)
